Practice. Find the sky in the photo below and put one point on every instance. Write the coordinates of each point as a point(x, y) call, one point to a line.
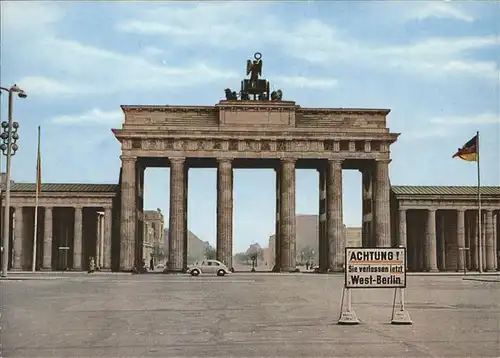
point(434, 64)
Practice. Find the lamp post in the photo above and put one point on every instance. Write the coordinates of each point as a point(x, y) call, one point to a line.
point(9, 148)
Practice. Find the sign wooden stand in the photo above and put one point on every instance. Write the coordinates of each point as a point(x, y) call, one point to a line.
point(347, 316)
point(375, 267)
point(400, 316)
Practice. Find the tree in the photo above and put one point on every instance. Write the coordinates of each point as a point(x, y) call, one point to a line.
point(255, 251)
point(241, 258)
point(307, 254)
point(210, 253)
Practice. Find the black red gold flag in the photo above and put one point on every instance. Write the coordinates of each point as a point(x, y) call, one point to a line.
point(469, 151)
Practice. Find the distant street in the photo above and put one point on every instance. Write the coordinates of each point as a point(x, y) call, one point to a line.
point(242, 315)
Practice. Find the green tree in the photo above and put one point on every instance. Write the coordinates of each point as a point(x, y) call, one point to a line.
point(307, 254)
point(210, 253)
point(255, 250)
point(242, 258)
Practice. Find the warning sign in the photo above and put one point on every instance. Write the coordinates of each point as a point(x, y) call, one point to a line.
point(375, 267)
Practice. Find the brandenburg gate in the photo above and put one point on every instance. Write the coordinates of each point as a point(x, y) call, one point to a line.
point(260, 132)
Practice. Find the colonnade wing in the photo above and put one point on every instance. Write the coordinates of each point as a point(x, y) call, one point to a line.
point(440, 227)
point(66, 224)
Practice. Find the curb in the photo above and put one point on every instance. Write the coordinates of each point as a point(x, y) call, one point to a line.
point(481, 280)
point(24, 278)
point(64, 273)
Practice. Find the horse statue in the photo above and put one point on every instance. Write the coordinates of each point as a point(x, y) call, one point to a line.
point(276, 95)
point(230, 95)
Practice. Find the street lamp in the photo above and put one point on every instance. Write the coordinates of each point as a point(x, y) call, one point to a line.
point(9, 148)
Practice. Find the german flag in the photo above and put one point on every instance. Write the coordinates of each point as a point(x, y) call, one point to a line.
point(469, 151)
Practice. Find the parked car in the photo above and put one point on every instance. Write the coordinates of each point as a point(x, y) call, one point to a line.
point(210, 267)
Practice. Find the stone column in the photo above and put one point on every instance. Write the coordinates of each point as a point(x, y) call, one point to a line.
point(225, 212)
point(177, 212)
point(17, 255)
point(101, 241)
point(322, 235)
point(335, 222)
point(442, 224)
point(402, 228)
point(98, 241)
point(367, 197)
point(128, 212)
point(468, 243)
point(382, 190)
point(473, 225)
point(47, 239)
point(461, 239)
point(287, 216)
point(430, 242)
point(471, 228)
point(185, 237)
point(410, 244)
point(137, 244)
point(497, 241)
point(108, 217)
point(277, 237)
point(483, 237)
point(490, 238)
point(77, 241)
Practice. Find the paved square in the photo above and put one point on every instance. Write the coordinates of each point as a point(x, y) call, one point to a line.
point(243, 315)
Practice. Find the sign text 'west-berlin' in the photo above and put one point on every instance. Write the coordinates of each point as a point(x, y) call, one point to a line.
point(375, 267)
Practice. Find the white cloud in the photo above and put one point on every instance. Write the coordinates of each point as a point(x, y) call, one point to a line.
point(398, 12)
point(152, 51)
point(94, 116)
point(432, 57)
point(305, 82)
point(440, 10)
point(22, 17)
point(427, 133)
point(229, 25)
point(92, 70)
point(221, 24)
point(440, 127)
point(89, 69)
point(37, 86)
point(484, 69)
point(480, 119)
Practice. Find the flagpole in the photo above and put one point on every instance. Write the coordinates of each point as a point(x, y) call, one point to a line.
point(479, 216)
point(33, 262)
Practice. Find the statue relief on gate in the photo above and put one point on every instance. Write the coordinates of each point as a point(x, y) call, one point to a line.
point(205, 145)
point(154, 144)
point(169, 145)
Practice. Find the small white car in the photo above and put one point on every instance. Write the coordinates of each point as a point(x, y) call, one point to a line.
point(209, 267)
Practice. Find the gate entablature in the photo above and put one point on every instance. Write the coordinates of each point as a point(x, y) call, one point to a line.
point(255, 129)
